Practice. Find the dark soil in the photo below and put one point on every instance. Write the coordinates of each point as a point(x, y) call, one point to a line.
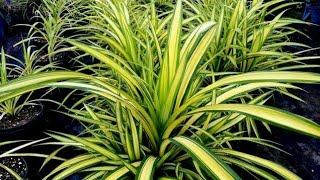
point(26, 115)
point(304, 155)
point(17, 164)
point(305, 159)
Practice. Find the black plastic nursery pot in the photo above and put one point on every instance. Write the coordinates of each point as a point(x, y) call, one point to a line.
point(17, 164)
point(24, 126)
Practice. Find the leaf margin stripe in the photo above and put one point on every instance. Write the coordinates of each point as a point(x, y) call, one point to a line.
point(214, 167)
point(284, 172)
point(120, 171)
point(147, 169)
point(270, 115)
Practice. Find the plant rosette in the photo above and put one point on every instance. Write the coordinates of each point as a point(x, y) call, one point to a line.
point(23, 122)
point(157, 105)
point(15, 164)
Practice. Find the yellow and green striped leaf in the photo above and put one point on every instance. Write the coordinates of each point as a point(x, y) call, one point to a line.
point(147, 169)
point(269, 115)
point(120, 172)
point(262, 162)
point(210, 162)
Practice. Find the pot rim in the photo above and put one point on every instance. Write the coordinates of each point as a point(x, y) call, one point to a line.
point(25, 162)
point(18, 127)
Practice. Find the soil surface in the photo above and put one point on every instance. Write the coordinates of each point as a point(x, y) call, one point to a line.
point(17, 164)
point(304, 152)
point(26, 115)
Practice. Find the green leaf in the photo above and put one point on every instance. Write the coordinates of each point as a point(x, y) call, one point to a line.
point(248, 166)
point(147, 169)
point(70, 162)
point(95, 147)
point(212, 165)
point(52, 155)
point(269, 115)
point(76, 168)
point(173, 45)
point(3, 69)
point(10, 171)
point(262, 162)
point(284, 76)
point(118, 173)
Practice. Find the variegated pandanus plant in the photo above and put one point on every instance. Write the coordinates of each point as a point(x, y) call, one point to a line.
point(166, 99)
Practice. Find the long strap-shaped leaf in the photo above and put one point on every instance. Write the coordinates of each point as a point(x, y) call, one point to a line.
point(32, 82)
point(3, 68)
point(10, 171)
point(214, 167)
point(69, 162)
point(147, 169)
point(269, 115)
point(284, 76)
point(124, 73)
point(262, 162)
point(173, 46)
point(76, 168)
point(191, 54)
point(103, 151)
point(254, 77)
point(171, 58)
point(120, 172)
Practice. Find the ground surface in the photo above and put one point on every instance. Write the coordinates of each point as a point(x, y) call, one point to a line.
point(305, 151)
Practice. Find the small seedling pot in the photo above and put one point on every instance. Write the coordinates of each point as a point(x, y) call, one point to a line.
point(24, 126)
point(17, 164)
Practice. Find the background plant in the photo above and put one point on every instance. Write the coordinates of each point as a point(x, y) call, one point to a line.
point(11, 8)
point(54, 20)
point(14, 5)
point(251, 37)
point(17, 68)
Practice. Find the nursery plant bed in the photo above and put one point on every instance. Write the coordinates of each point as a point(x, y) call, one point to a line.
point(17, 164)
point(12, 126)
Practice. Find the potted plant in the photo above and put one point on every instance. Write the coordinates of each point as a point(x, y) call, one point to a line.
point(21, 115)
point(18, 113)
